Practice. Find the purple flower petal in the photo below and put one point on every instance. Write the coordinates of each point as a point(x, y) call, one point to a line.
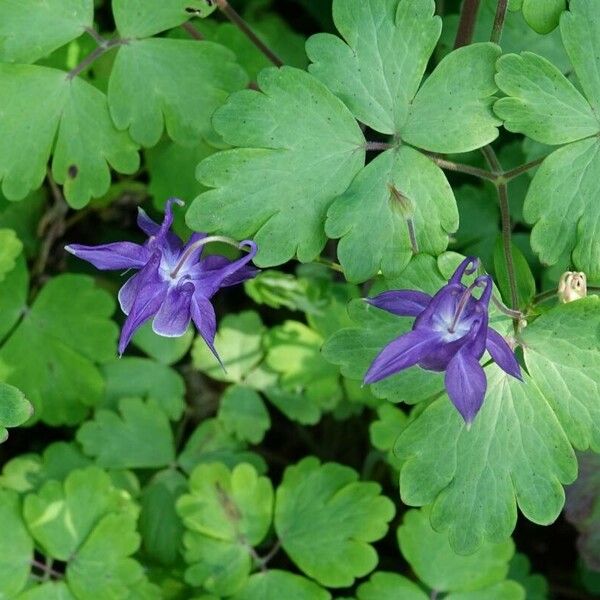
point(226, 273)
point(174, 316)
point(205, 320)
point(128, 292)
point(466, 384)
point(160, 236)
point(467, 267)
point(107, 257)
point(405, 303)
point(150, 295)
point(401, 353)
point(502, 353)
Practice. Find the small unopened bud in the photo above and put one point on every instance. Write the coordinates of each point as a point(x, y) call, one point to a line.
point(572, 286)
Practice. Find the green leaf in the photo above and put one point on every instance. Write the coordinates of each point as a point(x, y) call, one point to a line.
point(29, 29)
point(294, 351)
point(23, 218)
point(542, 103)
point(384, 432)
point(296, 130)
point(52, 590)
point(238, 342)
point(516, 35)
point(160, 525)
point(86, 145)
point(583, 508)
point(274, 31)
point(172, 167)
point(52, 355)
point(61, 516)
point(543, 15)
point(452, 112)
point(374, 234)
point(378, 70)
point(567, 179)
point(326, 520)
point(505, 590)
point(176, 84)
point(389, 586)
point(144, 18)
point(244, 414)
point(515, 453)
point(295, 405)
point(277, 585)
point(16, 546)
point(101, 568)
point(27, 472)
point(132, 377)
point(434, 561)
point(524, 279)
point(210, 443)
point(15, 409)
point(580, 28)
point(13, 297)
point(225, 511)
point(163, 349)
point(536, 586)
point(10, 248)
point(354, 348)
point(139, 437)
point(561, 348)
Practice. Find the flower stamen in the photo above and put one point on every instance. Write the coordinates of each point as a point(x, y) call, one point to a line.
point(462, 303)
point(207, 240)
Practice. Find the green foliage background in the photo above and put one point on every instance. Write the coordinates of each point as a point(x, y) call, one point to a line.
point(280, 477)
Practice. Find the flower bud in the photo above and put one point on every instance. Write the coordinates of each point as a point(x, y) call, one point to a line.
point(572, 286)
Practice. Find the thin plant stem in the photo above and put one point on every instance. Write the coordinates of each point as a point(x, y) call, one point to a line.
point(95, 55)
point(513, 314)
point(378, 146)
point(267, 558)
point(95, 36)
point(466, 25)
point(412, 235)
point(45, 568)
point(502, 189)
point(548, 294)
point(237, 20)
point(543, 296)
point(499, 21)
point(329, 263)
point(512, 173)
point(192, 31)
point(461, 168)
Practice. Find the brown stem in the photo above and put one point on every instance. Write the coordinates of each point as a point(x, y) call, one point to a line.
point(499, 21)
point(512, 173)
point(460, 168)
point(502, 189)
point(51, 226)
point(466, 25)
point(235, 18)
point(95, 55)
point(192, 31)
point(378, 146)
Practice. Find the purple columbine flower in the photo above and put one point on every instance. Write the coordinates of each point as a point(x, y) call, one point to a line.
point(450, 333)
point(174, 283)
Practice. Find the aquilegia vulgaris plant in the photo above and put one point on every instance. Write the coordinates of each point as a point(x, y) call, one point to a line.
point(175, 282)
point(450, 334)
